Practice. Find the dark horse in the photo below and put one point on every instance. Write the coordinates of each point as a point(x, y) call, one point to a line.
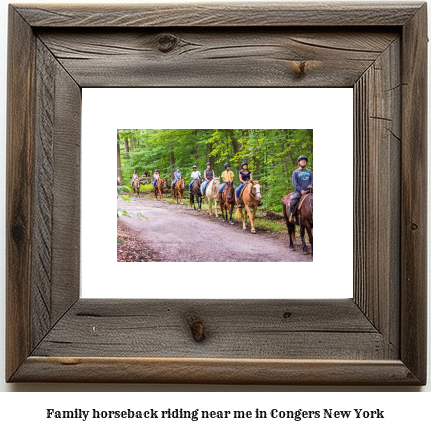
point(227, 201)
point(158, 190)
point(303, 218)
point(196, 192)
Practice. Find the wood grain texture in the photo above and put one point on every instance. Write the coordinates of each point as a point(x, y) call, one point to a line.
point(378, 338)
point(238, 329)
point(219, 15)
point(215, 371)
point(215, 58)
point(414, 195)
point(377, 149)
point(55, 267)
point(19, 204)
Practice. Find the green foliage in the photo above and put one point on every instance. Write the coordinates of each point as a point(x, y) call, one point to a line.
point(271, 154)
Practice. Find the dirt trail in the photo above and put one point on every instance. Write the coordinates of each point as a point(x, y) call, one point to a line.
point(180, 234)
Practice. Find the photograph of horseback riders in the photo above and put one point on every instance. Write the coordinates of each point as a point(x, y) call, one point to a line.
point(214, 195)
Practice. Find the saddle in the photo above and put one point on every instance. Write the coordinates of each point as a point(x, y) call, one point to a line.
point(287, 199)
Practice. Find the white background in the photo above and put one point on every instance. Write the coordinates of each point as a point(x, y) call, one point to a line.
point(329, 112)
point(405, 409)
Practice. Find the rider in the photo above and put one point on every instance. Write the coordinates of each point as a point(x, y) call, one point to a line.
point(208, 175)
point(177, 176)
point(227, 176)
point(195, 176)
point(303, 182)
point(244, 177)
point(156, 177)
point(135, 177)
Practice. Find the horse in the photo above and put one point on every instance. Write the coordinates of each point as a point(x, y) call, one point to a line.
point(210, 195)
point(196, 191)
point(303, 218)
point(178, 190)
point(227, 201)
point(136, 186)
point(251, 197)
point(158, 189)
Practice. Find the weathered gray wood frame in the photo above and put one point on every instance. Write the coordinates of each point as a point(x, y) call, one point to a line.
point(378, 337)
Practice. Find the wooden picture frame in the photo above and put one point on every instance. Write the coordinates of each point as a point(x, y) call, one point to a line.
point(378, 337)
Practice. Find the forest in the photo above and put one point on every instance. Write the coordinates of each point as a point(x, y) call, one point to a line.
point(270, 153)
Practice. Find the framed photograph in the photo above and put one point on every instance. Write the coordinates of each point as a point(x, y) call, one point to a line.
point(377, 337)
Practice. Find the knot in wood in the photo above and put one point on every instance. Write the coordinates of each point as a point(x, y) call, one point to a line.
point(287, 314)
point(167, 42)
point(414, 226)
point(197, 327)
point(18, 233)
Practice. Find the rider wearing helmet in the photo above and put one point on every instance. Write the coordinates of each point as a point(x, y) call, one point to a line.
point(177, 176)
point(245, 177)
point(302, 181)
point(208, 175)
point(195, 176)
point(227, 176)
point(156, 177)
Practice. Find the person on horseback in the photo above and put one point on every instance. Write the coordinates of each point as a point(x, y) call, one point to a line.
point(208, 175)
point(227, 176)
point(303, 182)
point(245, 177)
point(156, 177)
point(135, 177)
point(177, 176)
point(195, 176)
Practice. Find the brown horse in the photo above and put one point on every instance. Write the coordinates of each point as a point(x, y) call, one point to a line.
point(303, 217)
point(158, 190)
point(195, 191)
point(251, 197)
point(178, 190)
point(227, 201)
point(136, 185)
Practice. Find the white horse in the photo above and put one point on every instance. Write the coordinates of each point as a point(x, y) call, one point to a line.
point(211, 194)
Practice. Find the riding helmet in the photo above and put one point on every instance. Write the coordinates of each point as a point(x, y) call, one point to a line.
point(208, 163)
point(178, 168)
point(227, 165)
point(244, 163)
point(156, 170)
point(302, 158)
point(194, 166)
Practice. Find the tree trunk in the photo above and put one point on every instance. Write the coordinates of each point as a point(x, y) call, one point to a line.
point(172, 159)
point(119, 174)
point(126, 144)
point(131, 145)
point(235, 143)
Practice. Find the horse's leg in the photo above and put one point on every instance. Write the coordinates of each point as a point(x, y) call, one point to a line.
point(250, 215)
point(230, 213)
point(310, 235)
point(302, 233)
point(181, 197)
point(244, 218)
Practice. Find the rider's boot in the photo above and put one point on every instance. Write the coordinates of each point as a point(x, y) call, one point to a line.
point(291, 213)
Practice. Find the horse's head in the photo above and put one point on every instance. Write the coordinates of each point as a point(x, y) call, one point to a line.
point(162, 182)
point(181, 184)
point(230, 196)
point(216, 182)
point(255, 189)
